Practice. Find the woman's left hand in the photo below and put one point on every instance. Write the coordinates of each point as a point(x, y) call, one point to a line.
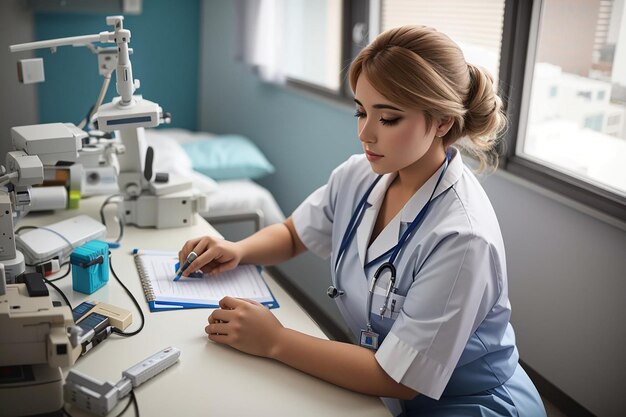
point(246, 325)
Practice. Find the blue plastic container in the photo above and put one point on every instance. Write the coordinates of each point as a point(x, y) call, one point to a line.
point(90, 266)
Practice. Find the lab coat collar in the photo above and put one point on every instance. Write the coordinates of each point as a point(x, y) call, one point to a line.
point(374, 201)
point(391, 233)
point(420, 198)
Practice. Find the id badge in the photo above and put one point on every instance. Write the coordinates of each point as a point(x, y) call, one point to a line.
point(369, 339)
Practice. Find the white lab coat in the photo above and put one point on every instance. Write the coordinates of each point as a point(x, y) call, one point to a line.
point(449, 331)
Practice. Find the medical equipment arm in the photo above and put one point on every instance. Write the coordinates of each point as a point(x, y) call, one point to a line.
point(166, 201)
point(125, 84)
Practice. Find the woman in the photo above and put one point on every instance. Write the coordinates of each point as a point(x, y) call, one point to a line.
point(418, 263)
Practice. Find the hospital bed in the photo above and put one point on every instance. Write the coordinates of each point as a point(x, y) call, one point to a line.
point(229, 200)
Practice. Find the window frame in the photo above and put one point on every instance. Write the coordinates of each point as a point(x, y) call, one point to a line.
point(519, 41)
point(517, 58)
point(354, 11)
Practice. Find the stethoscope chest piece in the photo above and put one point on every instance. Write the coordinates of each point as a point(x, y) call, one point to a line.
point(334, 292)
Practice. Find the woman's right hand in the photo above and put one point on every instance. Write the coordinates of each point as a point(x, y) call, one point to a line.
point(215, 255)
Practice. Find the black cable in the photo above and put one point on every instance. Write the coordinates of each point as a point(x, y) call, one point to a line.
point(131, 399)
point(69, 269)
point(50, 282)
point(106, 201)
point(59, 291)
point(135, 403)
point(143, 320)
point(19, 229)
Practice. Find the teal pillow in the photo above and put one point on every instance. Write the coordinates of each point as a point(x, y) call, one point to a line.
point(227, 157)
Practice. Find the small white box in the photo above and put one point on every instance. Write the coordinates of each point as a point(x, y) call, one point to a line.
point(42, 244)
point(51, 142)
point(30, 71)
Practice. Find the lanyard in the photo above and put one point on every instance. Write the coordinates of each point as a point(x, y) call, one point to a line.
point(369, 338)
point(357, 216)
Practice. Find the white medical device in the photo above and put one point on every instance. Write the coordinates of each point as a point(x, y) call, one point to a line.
point(171, 201)
point(100, 398)
point(36, 337)
point(24, 167)
point(59, 239)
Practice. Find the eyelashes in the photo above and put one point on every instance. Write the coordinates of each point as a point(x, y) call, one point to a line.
point(388, 122)
point(385, 122)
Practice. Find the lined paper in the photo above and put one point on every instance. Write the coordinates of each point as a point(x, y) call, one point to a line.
point(245, 281)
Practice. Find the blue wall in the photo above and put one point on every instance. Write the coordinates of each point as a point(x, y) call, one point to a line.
point(165, 42)
point(304, 136)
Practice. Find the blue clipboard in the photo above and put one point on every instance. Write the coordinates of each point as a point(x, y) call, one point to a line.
point(151, 263)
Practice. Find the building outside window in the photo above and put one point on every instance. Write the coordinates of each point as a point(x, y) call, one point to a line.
point(565, 95)
point(580, 131)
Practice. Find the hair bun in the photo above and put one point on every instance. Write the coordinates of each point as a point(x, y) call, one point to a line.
point(422, 69)
point(484, 118)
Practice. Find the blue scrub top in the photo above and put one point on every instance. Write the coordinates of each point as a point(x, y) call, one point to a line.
point(448, 335)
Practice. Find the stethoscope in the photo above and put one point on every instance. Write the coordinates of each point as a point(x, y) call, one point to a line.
point(355, 220)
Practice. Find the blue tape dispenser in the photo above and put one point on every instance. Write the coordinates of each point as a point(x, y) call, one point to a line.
point(90, 266)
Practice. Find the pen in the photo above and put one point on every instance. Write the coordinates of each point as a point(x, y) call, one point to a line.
point(190, 258)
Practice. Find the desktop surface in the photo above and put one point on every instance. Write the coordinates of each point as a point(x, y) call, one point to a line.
point(209, 379)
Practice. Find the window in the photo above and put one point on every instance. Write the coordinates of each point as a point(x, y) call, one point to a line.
point(613, 120)
point(316, 24)
point(594, 122)
point(554, 91)
point(577, 137)
point(565, 92)
point(476, 25)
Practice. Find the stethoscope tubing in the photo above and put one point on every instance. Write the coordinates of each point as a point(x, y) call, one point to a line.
point(355, 220)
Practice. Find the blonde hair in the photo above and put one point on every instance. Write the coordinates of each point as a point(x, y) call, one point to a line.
point(420, 68)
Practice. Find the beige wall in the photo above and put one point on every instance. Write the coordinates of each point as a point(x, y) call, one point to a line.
point(567, 34)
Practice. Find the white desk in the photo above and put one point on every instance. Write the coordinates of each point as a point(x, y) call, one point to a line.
point(209, 379)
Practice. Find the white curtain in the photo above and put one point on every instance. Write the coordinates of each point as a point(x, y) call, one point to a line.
point(259, 28)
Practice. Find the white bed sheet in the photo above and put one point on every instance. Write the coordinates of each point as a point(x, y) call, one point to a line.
point(224, 197)
point(241, 196)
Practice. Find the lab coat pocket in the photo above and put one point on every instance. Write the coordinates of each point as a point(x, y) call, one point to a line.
point(394, 305)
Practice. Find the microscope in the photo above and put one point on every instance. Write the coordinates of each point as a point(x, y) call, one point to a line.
point(162, 200)
point(37, 337)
